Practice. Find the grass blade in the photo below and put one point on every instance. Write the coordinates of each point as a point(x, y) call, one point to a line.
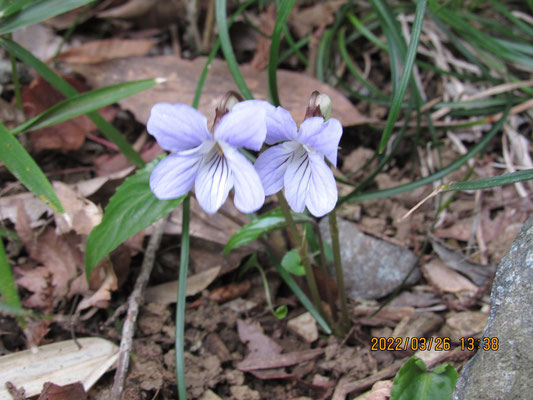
point(180, 305)
point(284, 9)
point(25, 169)
point(83, 103)
point(399, 93)
point(485, 183)
point(68, 90)
point(355, 197)
point(37, 11)
point(8, 289)
point(227, 49)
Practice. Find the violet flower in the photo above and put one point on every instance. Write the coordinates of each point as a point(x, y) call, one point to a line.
point(209, 161)
point(298, 163)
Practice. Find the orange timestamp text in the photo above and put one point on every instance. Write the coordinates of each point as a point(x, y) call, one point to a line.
point(410, 343)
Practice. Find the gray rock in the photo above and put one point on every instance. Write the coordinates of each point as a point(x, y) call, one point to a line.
point(508, 372)
point(373, 268)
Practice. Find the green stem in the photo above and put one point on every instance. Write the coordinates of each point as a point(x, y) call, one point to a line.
point(180, 306)
point(334, 231)
point(16, 82)
point(296, 239)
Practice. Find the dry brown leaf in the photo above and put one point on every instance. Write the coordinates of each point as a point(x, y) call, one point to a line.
point(107, 49)
point(294, 87)
point(305, 20)
point(73, 391)
point(165, 293)
point(62, 261)
point(230, 292)
point(262, 48)
point(33, 207)
point(446, 279)
point(81, 215)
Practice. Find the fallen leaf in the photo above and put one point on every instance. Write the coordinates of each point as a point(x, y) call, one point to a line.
point(98, 51)
point(33, 208)
point(306, 19)
point(165, 293)
point(446, 279)
point(40, 39)
point(262, 47)
point(294, 87)
point(61, 362)
point(478, 273)
point(81, 215)
point(74, 391)
point(230, 292)
point(464, 324)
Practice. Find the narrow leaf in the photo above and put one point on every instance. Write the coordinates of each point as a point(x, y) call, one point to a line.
point(264, 224)
point(484, 183)
point(83, 103)
point(131, 209)
point(36, 12)
point(25, 169)
point(68, 90)
point(414, 381)
point(8, 289)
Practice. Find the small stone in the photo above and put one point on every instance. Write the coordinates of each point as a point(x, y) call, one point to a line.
point(209, 395)
point(305, 327)
point(373, 268)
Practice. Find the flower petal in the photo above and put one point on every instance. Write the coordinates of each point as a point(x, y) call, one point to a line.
point(177, 127)
point(243, 126)
point(322, 193)
point(272, 164)
point(175, 175)
point(213, 182)
point(280, 126)
point(296, 180)
point(322, 136)
point(249, 193)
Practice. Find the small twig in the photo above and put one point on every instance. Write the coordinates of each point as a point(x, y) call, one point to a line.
point(134, 303)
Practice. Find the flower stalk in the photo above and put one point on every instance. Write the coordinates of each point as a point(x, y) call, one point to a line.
point(344, 322)
point(302, 251)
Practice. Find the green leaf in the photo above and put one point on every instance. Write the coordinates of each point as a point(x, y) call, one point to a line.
point(131, 209)
point(21, 164)
point(83, 103)
point(284, 9)
point(484, 183)
point(292, 263)
point(281, 312)
point(264, 224)
point(414, 381)
point(399, 93)
point(8, 289)
point(68, 90)
point(37, 11)
point(227, 49)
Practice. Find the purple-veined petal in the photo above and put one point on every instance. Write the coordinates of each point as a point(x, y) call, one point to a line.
point(272, 164)
point(175, 174)
point(322, 136)
point(249, 193)
point(243, 126)
point(322, 192)
point(177, 127)
point(296, 180)
point(214, 181)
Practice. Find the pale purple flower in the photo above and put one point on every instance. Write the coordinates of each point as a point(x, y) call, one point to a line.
point(210, 162)
point(298, 162)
